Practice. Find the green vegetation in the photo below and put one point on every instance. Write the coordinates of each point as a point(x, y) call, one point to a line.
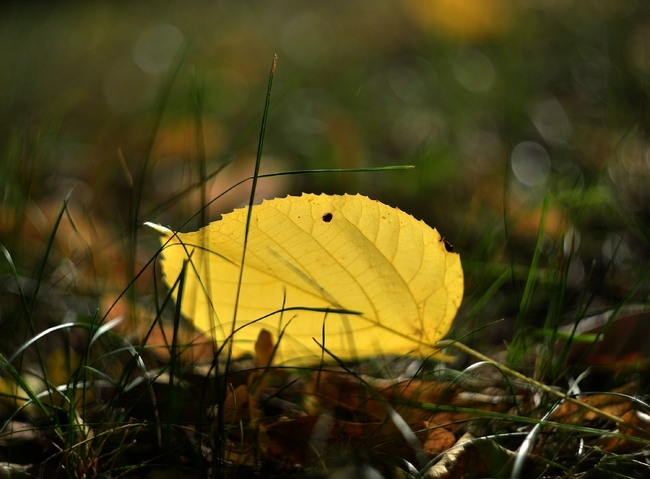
point(527, 125)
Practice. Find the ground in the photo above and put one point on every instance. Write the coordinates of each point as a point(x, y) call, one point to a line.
point(527, 125)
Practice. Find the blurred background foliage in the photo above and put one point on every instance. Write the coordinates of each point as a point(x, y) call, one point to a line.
point(503, 106)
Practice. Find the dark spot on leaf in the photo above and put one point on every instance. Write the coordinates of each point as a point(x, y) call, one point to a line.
point(327, 217)
point(448, 246)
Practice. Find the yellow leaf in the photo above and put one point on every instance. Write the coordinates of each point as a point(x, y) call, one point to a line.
point(320, 252)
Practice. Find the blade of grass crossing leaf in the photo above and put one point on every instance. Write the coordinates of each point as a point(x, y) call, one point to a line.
point(220, 439)
point(177, 321)
point(251, 200)
point(185, 190)
point(412, 295)
point(173, 404)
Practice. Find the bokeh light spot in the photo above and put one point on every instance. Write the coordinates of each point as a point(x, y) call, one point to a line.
point(473, 70)
point(154, 50)
point(531, 163)
point(551, 121)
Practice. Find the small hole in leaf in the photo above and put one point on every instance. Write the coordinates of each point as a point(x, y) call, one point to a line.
point(327, 217)
point(448, 246)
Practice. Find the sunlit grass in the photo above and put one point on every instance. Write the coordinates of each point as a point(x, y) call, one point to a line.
point(100, 368)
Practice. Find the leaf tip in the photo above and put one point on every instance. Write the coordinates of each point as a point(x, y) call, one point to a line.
point(158, 228)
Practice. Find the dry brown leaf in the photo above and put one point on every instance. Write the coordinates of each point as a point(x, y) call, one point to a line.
point(305, 439)
point(264, 349)
point(640, 422)
point(438, 439)
point(192, 346)
point(615, 403)
point(620, 345)
point(236, 405)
